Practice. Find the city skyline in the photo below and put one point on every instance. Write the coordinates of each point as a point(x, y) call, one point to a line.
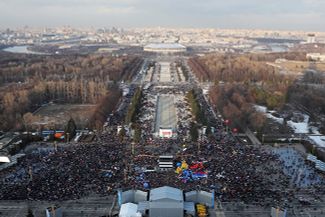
point(302, 15)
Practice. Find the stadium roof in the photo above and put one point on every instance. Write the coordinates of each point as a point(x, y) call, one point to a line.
point(165, 46)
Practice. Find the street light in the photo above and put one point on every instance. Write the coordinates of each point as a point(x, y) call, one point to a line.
point(263, 138)
point(227, 123)
point(132, 148)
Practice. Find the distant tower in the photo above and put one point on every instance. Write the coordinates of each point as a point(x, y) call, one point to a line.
point(311, 39)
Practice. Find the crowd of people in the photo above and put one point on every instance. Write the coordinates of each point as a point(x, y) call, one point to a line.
point(66, 173)
point(148, 113)
point(294, 165)
point(236, 172)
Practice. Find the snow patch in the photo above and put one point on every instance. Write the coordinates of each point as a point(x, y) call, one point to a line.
point(260, 108)
point(318, 140)
point(268, 114)
point(298, 127)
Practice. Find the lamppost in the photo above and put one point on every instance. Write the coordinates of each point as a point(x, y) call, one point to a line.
point(132, 148)
point(125, 175)
point(198, 146)
point(55, 146)
point(68, 137)
point(263, 138)
point(227, 123)
point(30, 173)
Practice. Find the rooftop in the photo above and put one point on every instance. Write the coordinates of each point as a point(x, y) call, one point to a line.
point(165, 46)
point(166, 192)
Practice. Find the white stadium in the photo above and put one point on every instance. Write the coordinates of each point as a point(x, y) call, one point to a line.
point(165, 48)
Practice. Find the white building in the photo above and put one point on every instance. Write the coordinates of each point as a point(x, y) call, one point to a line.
point(316, 56)
point(311, 39)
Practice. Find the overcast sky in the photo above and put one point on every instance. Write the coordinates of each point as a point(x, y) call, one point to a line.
point(264, 14)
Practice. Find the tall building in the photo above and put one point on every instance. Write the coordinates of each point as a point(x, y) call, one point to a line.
point(311, 39)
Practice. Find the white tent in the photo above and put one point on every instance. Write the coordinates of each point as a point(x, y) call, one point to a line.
point(129, 210)
point(4, 159)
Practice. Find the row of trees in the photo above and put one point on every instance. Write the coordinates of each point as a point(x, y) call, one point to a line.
point(270, 99)
point(132, 114)
point(22, 68)
point(27, 82)
point(310, 97)
point(74, 91)
point(235, 68)
point(16, 107)
point(199, 69)
point(198, 113)
point(105, 107)
point(235, 102)
point(183, 68)
point(271, 57)
point(134, 106)
point(242, 80)
point(266, 85)
point(196, 108)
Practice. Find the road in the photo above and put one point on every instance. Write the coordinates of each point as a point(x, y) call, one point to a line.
point(252, 137)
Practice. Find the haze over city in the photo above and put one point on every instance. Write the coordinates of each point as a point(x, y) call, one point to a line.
point(308, 15)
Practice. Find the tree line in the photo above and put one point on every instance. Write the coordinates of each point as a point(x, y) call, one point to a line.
point(134, 106)
point(235, 68)
point(235, 101)
point(105, 107)
point(106, 68)
point(196, 108)
point(183, 68)
point(198, 113)
point(28, 81)
point(241, 80)
point(132, 114)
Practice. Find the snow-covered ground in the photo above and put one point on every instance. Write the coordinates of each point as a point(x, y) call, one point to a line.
point(319, 139)
point(298, 127)
point(268, 114)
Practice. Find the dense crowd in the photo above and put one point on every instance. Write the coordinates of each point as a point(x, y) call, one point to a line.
point(148, 114)
point(66, 173)
point(236, 171)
